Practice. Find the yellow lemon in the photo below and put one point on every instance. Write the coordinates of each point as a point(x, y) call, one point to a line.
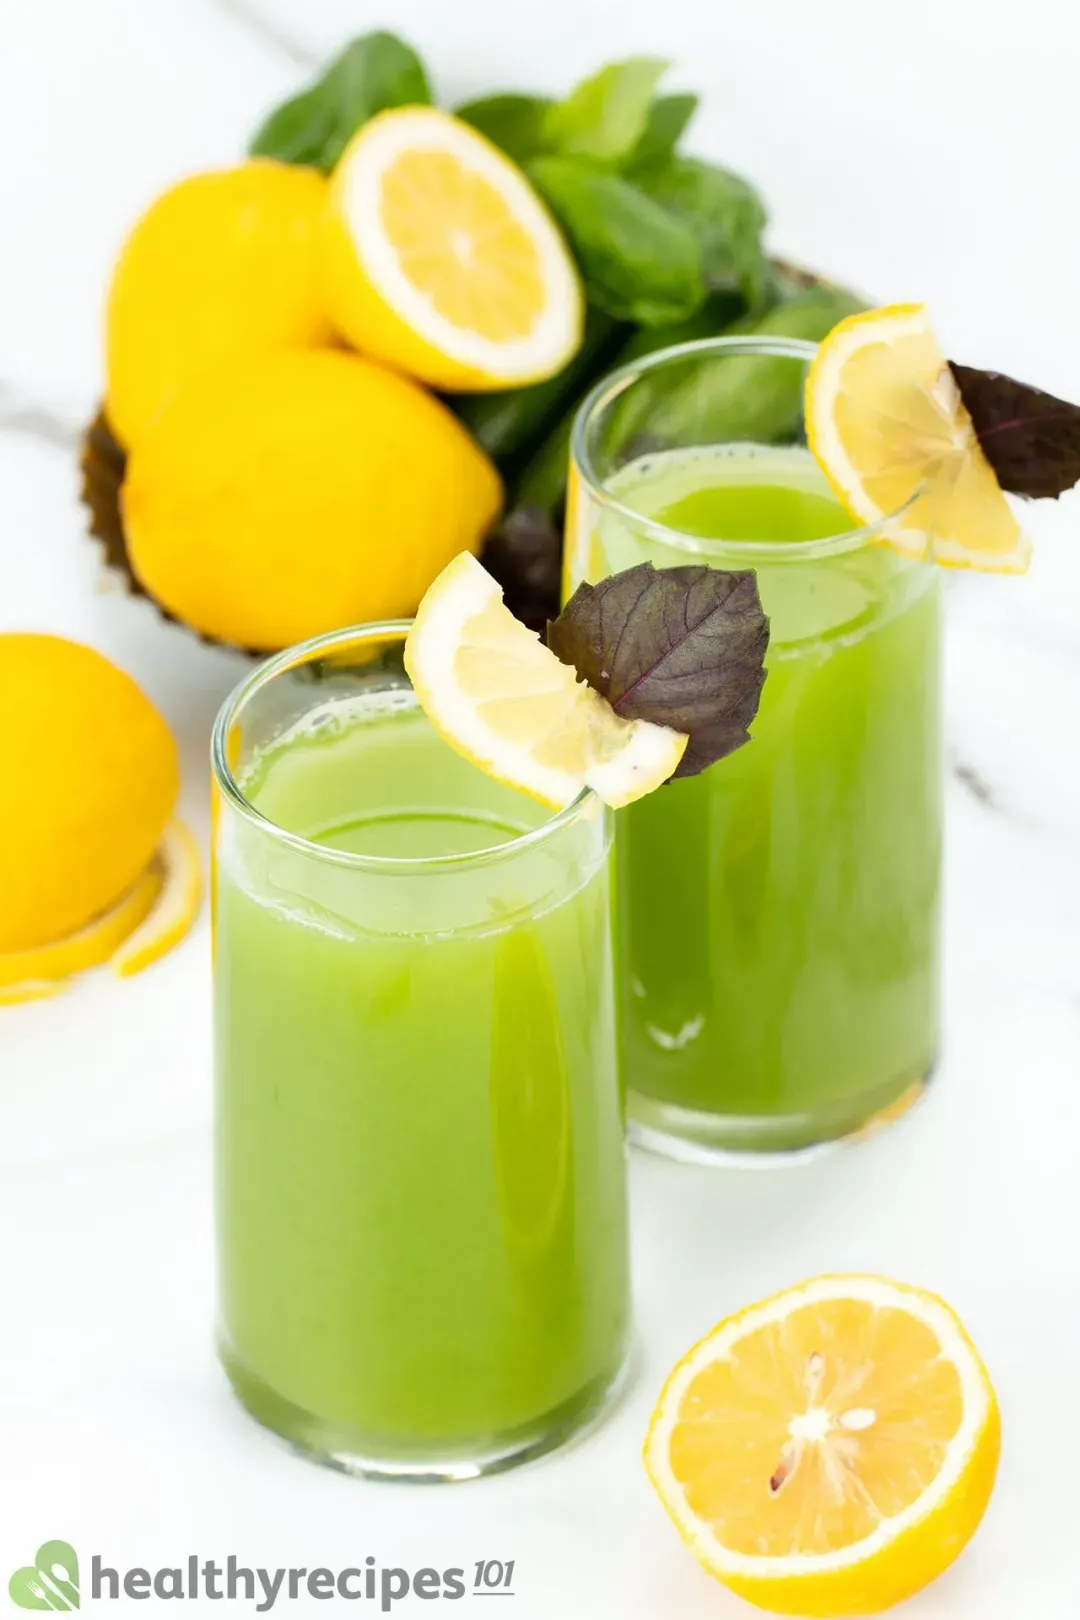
point(298, 493)
point(137, 931)
point(501, 697)
point(831, 1450)
point(30, 975)
point(888, 427)
point(90, 777)
point(439, 258)
point(221, 265)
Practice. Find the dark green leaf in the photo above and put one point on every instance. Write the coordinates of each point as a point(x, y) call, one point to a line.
point(810, 314)
point(1031, 439)
point(724, 210)
point(640, 262)
point(542, 481)
point(508, 423)
point(734, 397)
point(682, 647)
point(664, 128)
point(715, 317)
point(373, 72)
point(514, 123)
point(606, 115)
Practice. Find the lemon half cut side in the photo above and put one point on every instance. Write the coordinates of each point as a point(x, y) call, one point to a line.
point(439, 258)
point(831, 1450)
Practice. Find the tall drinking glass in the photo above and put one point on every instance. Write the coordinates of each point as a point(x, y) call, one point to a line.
point(420, 1165)
point(778, 914)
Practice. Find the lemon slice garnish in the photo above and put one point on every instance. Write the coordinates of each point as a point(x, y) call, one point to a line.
point(503, 699)
point(888, 427)
point(148, 921)
point(831, 1450)
point(438, 257)
point(89, 947)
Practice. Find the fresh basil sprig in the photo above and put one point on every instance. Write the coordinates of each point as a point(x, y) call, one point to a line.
point(664, 129)
point(373, 72)
point(640, 261)
point(516, 124)
point(605, 117)
point(653, 233)
point(725, 213)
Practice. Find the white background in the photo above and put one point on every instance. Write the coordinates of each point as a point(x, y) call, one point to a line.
point(918, 151)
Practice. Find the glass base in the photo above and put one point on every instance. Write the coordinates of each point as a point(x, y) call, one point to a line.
point(765, 1141)
point(361, 1455)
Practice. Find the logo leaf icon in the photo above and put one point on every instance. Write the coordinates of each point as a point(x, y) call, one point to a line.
point(51, 1582)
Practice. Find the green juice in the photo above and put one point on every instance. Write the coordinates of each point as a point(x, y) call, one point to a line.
point(778, 934)
point(421, 1197)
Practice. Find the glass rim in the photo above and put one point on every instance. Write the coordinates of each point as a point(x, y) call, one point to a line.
point(303, 652)
point(616, 382)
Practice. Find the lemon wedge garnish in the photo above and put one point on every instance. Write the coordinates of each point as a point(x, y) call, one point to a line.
point(503, 699)
point(149, 920)
point(831, 1450)
point(438, 257)
point(887, 425)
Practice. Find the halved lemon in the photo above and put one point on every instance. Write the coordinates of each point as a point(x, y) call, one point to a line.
point(438, 257)
point(831, 1450)
point(888, 427)
point(148, 921)
point(503, 699)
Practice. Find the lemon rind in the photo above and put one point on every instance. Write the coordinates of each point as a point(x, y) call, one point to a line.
point(646, 756)
point(978, 1413)
point(891, 321)
point(358, 188)
point(174, 911)
point(460, 593)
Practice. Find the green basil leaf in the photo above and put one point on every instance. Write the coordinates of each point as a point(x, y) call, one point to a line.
point(298, 131)
point(731, 397)
point(726, 213)
point(373, 72)
point(664, 128)
point(605, 117)
point(509, 423)
point(514, 123)
point(640, 261)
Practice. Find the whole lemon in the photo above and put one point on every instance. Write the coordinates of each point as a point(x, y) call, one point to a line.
point(221, 265)
point(301, 492)
point(89, 779)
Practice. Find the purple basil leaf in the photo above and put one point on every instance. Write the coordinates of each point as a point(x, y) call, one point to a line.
point(1031, 439)
point(682, 647)
point(524, 553)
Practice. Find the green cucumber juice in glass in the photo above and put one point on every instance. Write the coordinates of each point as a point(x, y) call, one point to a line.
point(422, 1221)
point(778, 914)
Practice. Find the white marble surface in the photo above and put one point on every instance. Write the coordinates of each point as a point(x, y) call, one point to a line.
point(921, 152)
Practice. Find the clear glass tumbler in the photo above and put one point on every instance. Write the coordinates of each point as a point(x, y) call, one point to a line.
point(420, 1162)
point(778, 914)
